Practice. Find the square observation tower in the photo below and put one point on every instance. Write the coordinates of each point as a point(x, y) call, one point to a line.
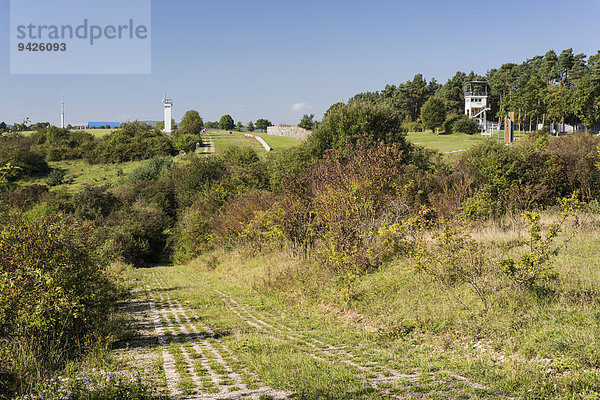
point(476, 102)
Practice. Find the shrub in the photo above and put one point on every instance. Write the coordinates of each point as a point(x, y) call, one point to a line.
point(186, 143)
point(450, 120)
point(96, 385)
point(345, 124)
point(534, 265)
point(17, 152)
point(460, 123)
point(482, 205)
point(466, 125)
point(452, 257)
point(237, 214)
point(94, 202)
point(152, 169)
point(134, 141)
point(137, 234)
point(196, 177)
point(55, 298)
point(287, 163)
point(27, 196)
point(341, 198)
point(193, 234)
point(55, 177)
point(239, 155)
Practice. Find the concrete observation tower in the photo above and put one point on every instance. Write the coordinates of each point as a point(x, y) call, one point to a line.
point(168, 108)
point(476, 102)
point(62, 111)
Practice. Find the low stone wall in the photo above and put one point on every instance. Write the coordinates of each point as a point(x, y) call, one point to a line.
point(289, 130)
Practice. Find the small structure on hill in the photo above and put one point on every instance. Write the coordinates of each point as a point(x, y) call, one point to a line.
point(476, 102)
point(289, 130)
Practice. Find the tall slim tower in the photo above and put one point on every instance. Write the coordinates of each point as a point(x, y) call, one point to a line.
point(168, 106)
point(62, 110)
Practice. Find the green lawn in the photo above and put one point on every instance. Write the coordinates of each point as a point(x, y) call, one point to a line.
point(445, 143)
point(80, 174)
point(223, 139)
point(450, 143)
point(279, 142)
point(100, 133)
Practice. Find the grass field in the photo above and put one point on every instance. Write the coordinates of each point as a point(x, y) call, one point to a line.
point(223, 139)
point(80, 174)
point(395, 338)
point(450, 143)
point(279, 142)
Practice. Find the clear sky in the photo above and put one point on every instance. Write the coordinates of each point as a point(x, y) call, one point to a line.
point(279, 59)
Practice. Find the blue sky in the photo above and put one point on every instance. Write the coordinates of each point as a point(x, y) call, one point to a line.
point(279, 59)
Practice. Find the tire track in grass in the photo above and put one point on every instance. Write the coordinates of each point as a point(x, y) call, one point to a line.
point(380, 376)
point(172, 377)
point(202, 344)
point(376, 379)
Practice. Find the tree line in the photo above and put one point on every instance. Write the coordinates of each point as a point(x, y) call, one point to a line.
point(554, 88)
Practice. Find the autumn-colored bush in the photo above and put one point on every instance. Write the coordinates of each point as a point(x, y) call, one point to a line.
point(342, 198)
point(238, 213)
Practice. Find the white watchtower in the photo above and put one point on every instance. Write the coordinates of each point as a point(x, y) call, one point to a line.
point(476, 102)
point(62, 111)
point(168, 106)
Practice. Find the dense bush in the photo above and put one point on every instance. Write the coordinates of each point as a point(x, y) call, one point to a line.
point(342, 199)
point(134, 141)
point(450, 120)
point(460, 123)
point(466, 125)
point(17, 152)
point(61, 144)
point(152, 170)
point(92, 385)
point(137, 234)
point(55, 298)
point(55, 177)
point(94, 202)
point(27, 196)
point(344, 123)
point(195, 179)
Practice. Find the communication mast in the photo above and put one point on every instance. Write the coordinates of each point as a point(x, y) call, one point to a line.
point(168, 106)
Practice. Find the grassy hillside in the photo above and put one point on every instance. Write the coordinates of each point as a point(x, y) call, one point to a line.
point(279, 142)
point(450, 143)
point(223, 139)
